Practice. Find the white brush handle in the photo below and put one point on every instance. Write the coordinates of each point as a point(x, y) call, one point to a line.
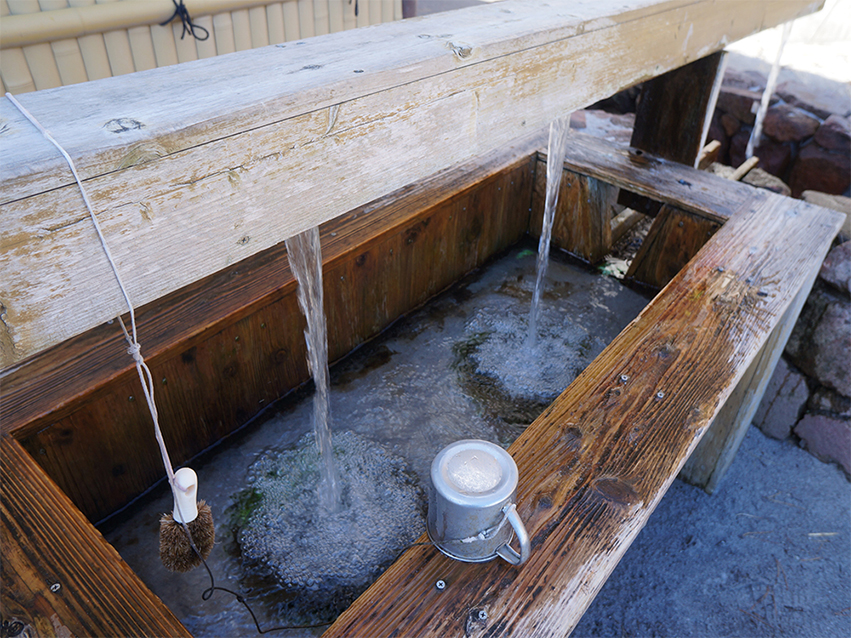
point(185, 505)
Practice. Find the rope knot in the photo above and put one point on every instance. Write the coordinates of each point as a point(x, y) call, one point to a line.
point(135, 351)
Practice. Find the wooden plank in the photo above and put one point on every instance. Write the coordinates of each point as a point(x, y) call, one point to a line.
point(259, 29)
point(60, 577)
point(582, 224)
point(194, 177)
point(241, 29)
point(714, 454)
point(378, 266)
point(596, 463)
point(670, 117)
point(224, 31)
point(69, 61)
point(164, 47)
point(674, 238)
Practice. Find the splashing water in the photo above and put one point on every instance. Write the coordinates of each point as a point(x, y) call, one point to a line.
point(305, 257)
point(556, 148)
point(756, 134)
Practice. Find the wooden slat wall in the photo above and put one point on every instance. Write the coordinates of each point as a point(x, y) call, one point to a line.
point(233, 343)
point(121, 51)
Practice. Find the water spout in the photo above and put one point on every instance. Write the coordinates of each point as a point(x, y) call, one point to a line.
point(556, 149)
point(305, 257)
point(756, 134)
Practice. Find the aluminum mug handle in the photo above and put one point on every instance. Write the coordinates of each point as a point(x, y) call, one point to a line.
point(506, 551)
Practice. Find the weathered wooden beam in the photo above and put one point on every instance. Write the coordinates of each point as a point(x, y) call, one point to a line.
point(673, 115)
point(196, 166)
point(715, 453)
point(596, 463)
point(673, 239)
point(60, 577)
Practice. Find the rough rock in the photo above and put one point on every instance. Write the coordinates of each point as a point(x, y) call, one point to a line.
point(787, 123)
point(824, 400)
point(836, 202)
point(749, 79)
point(820, 103)
point(730, 124)
point(783, 403)
point(717, 132)
point(820, 343)
point(739, 103)
point(836, 268)
point(763, 179)
point(773, 156)
point(827, 438)
point(819, 169)
point(834, 134)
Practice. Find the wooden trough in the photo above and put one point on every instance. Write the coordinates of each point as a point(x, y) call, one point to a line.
point(415, 145)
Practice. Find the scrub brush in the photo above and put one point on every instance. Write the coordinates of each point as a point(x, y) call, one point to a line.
point(190, 523)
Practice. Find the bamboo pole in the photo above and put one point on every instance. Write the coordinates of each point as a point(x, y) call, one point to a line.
point(291, 22)
point(241, 30)
point(76, 21)
point(142, 48)
point(278, 21)
point(223, 31)
point(259, 27)
point(164, 48)
point(305, 19)
point(320, 17)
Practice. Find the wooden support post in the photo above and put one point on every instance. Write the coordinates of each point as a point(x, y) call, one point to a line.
point(712, 458)
point(582, 224)
point(671, 117)
point(673, 239)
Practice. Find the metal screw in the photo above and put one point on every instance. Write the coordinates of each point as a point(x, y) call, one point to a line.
point(624, 378)
point(55, 587)
point(660, 395)
point(440, 585)
point(483, 615)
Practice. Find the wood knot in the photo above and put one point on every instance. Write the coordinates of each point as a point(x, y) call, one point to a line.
point(122, 125)
point(462, 51)
point(615, 491)
point(281, 356)
point(572, 439)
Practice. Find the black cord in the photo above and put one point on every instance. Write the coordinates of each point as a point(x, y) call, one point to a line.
point(356, 7)
point(180, 11)
point(208, 593)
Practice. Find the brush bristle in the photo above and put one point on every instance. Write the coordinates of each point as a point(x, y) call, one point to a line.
point(176, 551)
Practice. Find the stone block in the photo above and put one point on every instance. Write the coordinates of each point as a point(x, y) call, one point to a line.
point(834, 134)
point(774, 157)
point(786, 123)
point(820, 343)
point(783, 403)
point(739, 103)
point(730, 124)
point(836, 268)
point(836, 202)
point(827, 438)
point(824, 400)
point(817, 101)
point(819, 169)
point(763, 179)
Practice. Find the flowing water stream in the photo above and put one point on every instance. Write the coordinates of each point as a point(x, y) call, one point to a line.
point(556, 149)
point(305, 257)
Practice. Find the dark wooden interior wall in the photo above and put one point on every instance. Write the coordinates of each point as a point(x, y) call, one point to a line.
point(229, 345)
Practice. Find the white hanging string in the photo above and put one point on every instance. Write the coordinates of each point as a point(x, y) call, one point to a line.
point(134, 349)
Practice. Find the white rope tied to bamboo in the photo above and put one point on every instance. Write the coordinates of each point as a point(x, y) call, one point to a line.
point(134, 349)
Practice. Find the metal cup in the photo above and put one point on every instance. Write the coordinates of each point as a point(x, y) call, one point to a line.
point(472, 516)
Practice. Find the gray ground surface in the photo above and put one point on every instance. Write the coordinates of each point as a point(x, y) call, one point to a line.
point(769, 554)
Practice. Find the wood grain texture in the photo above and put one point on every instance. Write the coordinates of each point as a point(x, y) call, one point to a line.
point(183, 181)
point(582, 224)
point(596, 463)
point(717, 449)
point(674, 238)
point(670, 117)
point(225, 347)
point(60, 577)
